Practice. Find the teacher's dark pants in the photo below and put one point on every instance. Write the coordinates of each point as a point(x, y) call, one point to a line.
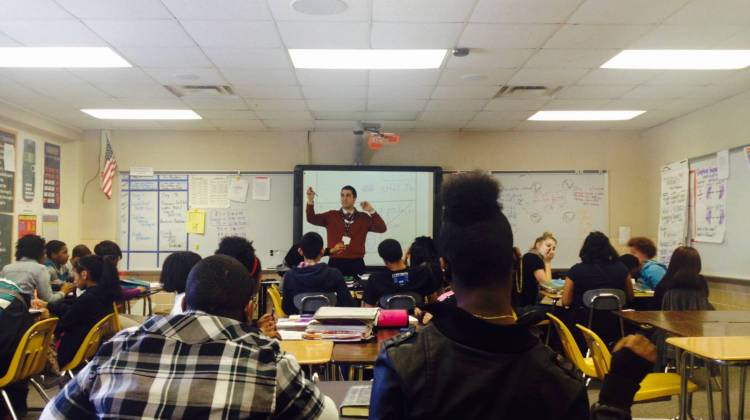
point(348, 267)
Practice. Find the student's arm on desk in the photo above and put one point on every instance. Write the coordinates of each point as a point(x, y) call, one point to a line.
point(629, 289)
point(567, 294)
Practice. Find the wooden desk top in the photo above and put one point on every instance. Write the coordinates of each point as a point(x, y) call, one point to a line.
point(309, 352)
point(362, 352)
point(728, 349)
point(693, 323)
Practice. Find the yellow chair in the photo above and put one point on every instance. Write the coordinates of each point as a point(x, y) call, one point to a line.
point(275, 294)
point(654, 385)
point(571, 350)
point(90, 343)
point(117, 327)
point(29, 359)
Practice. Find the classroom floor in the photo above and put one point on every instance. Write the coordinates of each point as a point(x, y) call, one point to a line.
point(654, 410)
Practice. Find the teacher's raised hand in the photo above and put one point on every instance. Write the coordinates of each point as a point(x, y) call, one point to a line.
point(310, 195)
point(366, 206)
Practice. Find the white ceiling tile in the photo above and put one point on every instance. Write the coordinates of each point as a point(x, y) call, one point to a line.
point(224, 103)
point(496, 36)
point(188, 125)
point(574, 104)
point(11, 89)
point(251, 92)
point(6, 41)
point(644, 104)
point(400, 92)
point(223, 114)
point(452, 77)
point(334, 92)
point(683, 104)
point(289, 124)
point(144, 90)
point(219, 9)
point(155, 57)
point(717, 91)
point(391, 115)
point(425, 77)
point(685, 36)
point(542, 126)
point(55, 82)
point(503, 115)
point(596, 36)
point(238, 125)
point(339, 115)
point(465, 92)
point(331, 77)
point(90, 102)
point(506, 104)
point(248, 58)
point(659, 91)
point(724, 12)
point(693, 77)
point(479, 58)
point(390, 104)
point(116, 75)
point(570, 58)
point(116, 9)
point(278, 115)
point(141, 33)
point(397, 125)
point(185, 76)
point(550, 77)
point(337, 105)
point(235, 34)
point(356, 11)
point(166, 102)
point(740, 40)
point(594, 92)
point(259, 76)
point(415, 35)
point(456, 105)
point(333, 124)
point(447, 115)
point(422, 10)
point(325, 34)
point(617, 76)
point(133, 125)
point(50, 33)
point(625, 12)
point(435, 125)
point(523, 11)
point(277, 104)
point(503, 125)
point(33, 9)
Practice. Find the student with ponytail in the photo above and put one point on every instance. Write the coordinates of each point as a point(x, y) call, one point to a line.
point(536, 267)
point(97, 277)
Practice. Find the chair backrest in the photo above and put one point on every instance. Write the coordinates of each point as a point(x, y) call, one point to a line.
point(401, 300)
point(308, 303)
point(599, 351)
point(604, 299)
point(570, 348)
point(31, 353)
point(91, 342)
point(275, 294)
point(116, 326)
point(685, 300)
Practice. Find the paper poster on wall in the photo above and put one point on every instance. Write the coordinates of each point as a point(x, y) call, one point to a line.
point(9, 157)
point(26, 225)
point(238, 190)
point(7, 178)
point(51, 190)
point(29, 170)
point(673, 213)
point(209, 191)
point(50, 227)
point(710, 205)
point(196, 221)
point(6, 238)
point(261, 188)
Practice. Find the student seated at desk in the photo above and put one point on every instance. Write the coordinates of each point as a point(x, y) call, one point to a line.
point(30, 275)
point(651, 271)
point(209, 362)
point(57, 262)
point(683, 288)
point(111, 251)
point(473, 361)
point(536, 268)
point(424, 252)
point(397, 277)
point(79, 251)
point(174, 273)
point(313, 276)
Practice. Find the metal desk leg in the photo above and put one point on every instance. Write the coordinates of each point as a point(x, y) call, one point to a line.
point(743, 379)
point(725, 409)
point(709, 390)
point(681, 363)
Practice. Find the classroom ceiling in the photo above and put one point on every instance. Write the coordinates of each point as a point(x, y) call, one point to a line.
point(243, 43)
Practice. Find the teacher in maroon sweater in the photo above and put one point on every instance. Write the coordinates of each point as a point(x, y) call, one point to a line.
point(347, 226)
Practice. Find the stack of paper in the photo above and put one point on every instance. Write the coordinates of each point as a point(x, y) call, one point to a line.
point(339, 333)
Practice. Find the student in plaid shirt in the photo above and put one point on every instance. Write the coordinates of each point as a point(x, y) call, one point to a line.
point(207, 362)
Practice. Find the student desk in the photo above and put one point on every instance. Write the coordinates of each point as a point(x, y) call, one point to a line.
point(337, 390)
point(360, 355)
point(723, 351)
point(693, 323)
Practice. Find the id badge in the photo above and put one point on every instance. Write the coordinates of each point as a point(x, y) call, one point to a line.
point(346, 240)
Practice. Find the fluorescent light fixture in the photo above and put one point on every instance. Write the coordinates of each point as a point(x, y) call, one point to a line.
point(143, 114)
point(584, 115)
point(680, 60)
point(367, 59)
point(60, 57)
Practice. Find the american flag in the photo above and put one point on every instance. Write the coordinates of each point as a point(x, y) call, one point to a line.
point(108, 173)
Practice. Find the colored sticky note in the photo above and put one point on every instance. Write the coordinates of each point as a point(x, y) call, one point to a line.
point(196, 221)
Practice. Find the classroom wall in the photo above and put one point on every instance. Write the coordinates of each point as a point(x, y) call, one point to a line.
point(281, 151)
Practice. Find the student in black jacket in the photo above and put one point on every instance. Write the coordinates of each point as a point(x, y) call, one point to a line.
point(97, 277)
point(313, 276)
point(474, 360)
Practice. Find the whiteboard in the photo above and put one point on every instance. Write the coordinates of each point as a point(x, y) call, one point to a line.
point(568, 204)
point(153, 213)
point(730, 258)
